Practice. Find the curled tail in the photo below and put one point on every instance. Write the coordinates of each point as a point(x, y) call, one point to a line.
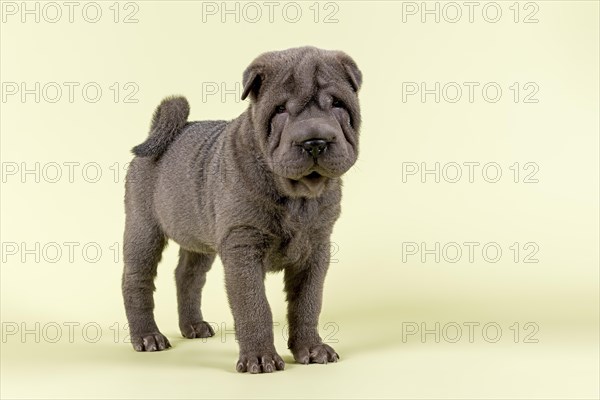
point(167, 122)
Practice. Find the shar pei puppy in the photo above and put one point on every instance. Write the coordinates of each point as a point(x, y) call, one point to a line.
point(262, 191)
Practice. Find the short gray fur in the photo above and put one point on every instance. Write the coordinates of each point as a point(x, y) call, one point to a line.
point(261, 191)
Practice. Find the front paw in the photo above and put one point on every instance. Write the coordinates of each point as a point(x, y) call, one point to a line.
point(197, 330)
point(259, 362)
point(154, 341)
point(318, 354)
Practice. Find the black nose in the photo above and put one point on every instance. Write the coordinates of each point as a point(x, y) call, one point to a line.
point(314, 146)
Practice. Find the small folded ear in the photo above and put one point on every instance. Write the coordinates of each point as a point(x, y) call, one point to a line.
point(353, 73)
point(252, 80)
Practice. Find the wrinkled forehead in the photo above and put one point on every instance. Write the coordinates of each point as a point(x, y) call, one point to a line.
point(309, 76)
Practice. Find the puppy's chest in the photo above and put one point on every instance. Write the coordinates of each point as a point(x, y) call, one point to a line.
point(299, 236)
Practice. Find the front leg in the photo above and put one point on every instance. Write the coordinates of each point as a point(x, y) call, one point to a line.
point(242, 254)
point(304, 288)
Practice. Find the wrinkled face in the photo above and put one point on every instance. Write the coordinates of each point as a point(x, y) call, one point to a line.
point(306, 116)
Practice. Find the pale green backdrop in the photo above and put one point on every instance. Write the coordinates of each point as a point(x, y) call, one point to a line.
point(533, 310)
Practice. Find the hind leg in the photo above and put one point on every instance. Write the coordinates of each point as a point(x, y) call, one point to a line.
point(142, 248)
point(190, 276)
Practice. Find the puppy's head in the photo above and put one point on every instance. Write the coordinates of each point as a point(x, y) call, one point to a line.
point(306, 117)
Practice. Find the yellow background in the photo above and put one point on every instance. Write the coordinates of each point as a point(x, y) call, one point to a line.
point(371, 294)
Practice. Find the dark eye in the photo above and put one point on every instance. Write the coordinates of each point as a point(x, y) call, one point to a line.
point(280, 109)
point(337, 103)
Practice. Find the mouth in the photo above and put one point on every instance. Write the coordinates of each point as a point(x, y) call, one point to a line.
point(313, 181)
point(313, 178)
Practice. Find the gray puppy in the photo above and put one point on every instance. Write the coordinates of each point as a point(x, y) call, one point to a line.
point(262, 191)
